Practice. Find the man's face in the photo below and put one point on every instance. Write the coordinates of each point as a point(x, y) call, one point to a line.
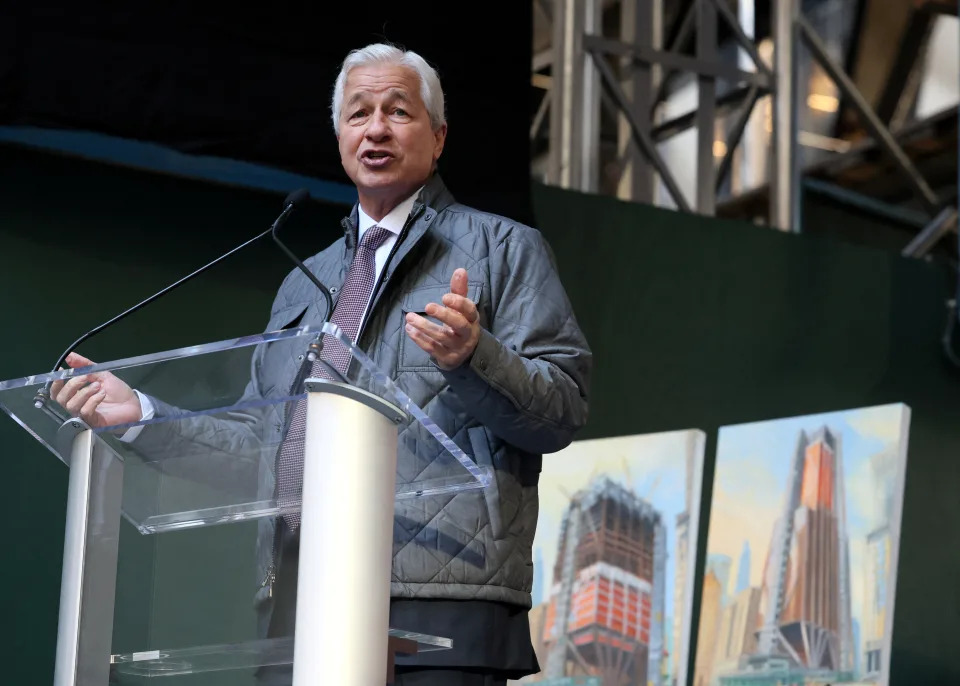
point(387, 146)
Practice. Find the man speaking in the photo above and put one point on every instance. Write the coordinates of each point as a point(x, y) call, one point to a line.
point(466, 312)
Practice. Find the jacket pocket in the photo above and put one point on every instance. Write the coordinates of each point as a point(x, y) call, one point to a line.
point(503, 496)
point(287, 317)
point(277, 361)
point(412, 356)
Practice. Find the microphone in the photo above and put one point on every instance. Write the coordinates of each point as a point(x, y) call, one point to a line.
point(295, 199)
point(314, 348)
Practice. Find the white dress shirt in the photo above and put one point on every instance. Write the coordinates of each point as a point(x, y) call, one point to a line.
point(393, 223)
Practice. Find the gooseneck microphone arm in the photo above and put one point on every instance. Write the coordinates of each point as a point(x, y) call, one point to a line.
point(314, 348)
point(153, 297)
point(292, 201)
point(307, 272)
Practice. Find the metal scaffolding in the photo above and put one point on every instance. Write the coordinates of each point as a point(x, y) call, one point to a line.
point(588, 74)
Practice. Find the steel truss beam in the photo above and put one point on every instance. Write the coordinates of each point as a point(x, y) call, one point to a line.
point(870, 119)
point(724, 91)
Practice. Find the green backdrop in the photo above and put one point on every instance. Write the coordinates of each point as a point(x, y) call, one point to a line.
point(694, 323)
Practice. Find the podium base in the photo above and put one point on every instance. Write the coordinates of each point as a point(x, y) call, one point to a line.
point(251, 654)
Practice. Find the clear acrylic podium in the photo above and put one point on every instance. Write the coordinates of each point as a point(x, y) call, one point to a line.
point(196, 482)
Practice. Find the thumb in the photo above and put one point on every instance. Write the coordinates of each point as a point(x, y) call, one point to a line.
point(458, 282)
point(77, 360)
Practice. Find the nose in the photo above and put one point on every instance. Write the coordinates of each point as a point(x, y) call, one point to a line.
point(378, 126)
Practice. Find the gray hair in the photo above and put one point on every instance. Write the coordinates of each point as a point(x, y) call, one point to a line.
point(383, 53)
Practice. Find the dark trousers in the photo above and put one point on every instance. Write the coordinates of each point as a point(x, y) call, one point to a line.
point(283, 620)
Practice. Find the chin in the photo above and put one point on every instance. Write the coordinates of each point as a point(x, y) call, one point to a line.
point(376, 186)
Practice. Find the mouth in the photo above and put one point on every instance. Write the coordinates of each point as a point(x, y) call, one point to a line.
point(376, 158)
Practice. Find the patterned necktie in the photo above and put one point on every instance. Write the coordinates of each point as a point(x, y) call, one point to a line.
point(348, 313)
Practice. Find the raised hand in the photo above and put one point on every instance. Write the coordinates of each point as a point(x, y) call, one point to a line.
point(452, 342)
point(99, 399)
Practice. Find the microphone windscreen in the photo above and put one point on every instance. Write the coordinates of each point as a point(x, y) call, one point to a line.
point(297, 197)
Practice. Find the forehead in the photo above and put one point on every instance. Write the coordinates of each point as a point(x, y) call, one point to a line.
point(381, 80)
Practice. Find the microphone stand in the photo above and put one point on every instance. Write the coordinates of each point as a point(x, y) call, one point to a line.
point(42, 397)
point(314, 348)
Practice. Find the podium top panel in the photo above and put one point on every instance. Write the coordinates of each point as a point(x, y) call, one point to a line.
point(199, 428)
point(35, 381)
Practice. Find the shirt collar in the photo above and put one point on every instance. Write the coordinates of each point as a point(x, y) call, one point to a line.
point(394, 220)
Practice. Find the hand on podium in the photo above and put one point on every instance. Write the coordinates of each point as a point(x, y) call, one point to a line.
point(99, 399)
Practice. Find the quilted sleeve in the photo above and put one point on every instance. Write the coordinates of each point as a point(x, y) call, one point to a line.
point(528, 378)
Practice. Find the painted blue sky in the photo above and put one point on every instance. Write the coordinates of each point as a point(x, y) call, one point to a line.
point(751, 477)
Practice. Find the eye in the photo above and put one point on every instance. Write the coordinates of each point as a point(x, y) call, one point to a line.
point(357, 114)
point(400, 112)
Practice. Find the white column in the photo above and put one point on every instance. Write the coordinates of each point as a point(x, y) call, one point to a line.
point(346, 537)
point(90, 546)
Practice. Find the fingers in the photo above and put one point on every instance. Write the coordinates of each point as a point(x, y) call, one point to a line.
point(458, 282)
point(63, 391)
point(57, 386)
point(68, 389)
point(88, 413)
point(463, 305)
point(441, 334)
point(454, 320)
point(77, 360)
point(79, 400)
point(426, 343)
point(457, 297)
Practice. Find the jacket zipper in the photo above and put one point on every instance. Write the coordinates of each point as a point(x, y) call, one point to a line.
point(271, 576)
point(269, 580)
point(380, 279)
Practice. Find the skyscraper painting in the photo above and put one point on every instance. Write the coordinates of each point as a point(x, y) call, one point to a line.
point(812, 504)
point(616, 539)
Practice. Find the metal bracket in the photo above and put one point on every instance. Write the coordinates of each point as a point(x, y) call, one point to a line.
point(387, 409)
point(68, 431)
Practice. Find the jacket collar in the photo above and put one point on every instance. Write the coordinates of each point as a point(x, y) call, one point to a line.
point(432, 199)
point(434, 196)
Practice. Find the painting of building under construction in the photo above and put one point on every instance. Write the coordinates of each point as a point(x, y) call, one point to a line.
point(809, 507)
point(613, 558)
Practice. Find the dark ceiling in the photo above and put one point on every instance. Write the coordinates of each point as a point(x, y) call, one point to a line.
point(254, 82)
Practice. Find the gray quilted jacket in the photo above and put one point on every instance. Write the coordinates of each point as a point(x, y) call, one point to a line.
point(523, 393)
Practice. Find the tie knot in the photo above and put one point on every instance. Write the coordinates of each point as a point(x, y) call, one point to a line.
point(374, 237)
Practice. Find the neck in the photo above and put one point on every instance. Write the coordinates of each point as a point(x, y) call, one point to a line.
point(378, 208)
point(379, 205)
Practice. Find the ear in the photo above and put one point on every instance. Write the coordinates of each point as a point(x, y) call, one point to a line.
point(439, 138)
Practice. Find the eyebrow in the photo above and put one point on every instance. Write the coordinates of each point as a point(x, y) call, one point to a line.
point(392, 94)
